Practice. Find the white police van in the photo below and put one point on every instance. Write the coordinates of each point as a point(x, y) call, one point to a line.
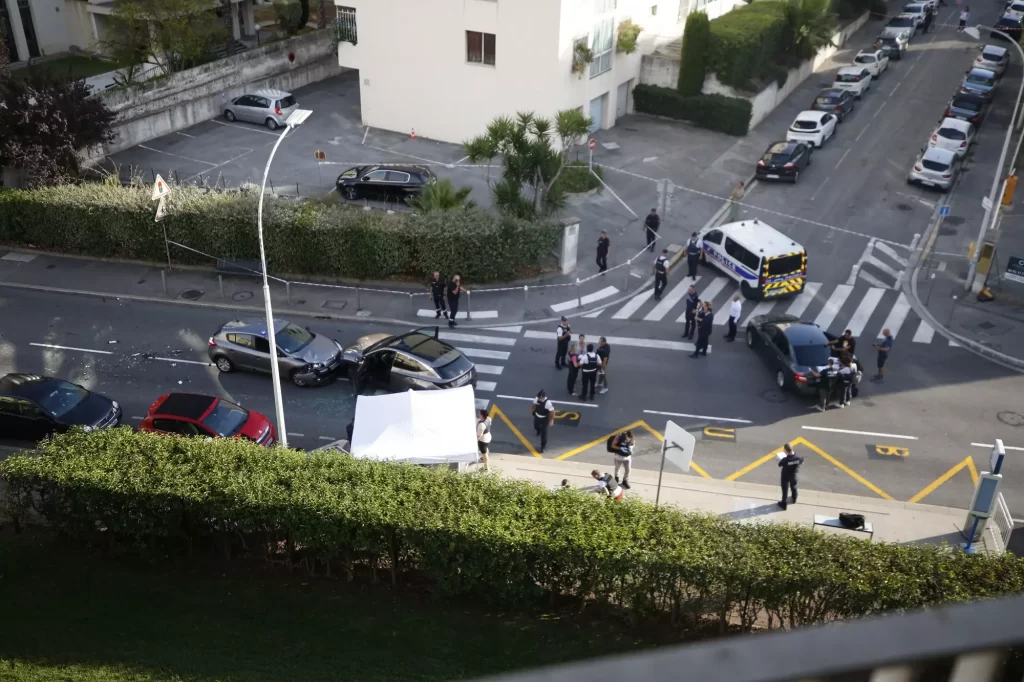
point(765, 262)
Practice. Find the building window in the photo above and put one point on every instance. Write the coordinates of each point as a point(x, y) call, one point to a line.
point(480, 47)
point(602, 6)
point(602, 48)
point(654, 10)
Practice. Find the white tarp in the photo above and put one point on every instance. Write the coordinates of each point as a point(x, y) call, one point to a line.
point(417, 427)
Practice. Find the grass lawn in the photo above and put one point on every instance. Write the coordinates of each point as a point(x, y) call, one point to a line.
point(72, 615)
point(75, 67)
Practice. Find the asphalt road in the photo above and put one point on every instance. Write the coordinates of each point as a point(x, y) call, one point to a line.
point(937, 401)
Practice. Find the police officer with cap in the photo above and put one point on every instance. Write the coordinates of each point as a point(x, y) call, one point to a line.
point(589, 364)
point(562, 334)
point(661, 267)
point(789, 463)
point(543, 412)
point(693, 251)
point(692, 304)
point(437, 291)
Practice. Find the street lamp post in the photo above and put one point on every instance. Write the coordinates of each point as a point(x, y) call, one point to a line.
point(993, 197)
point(294, 119)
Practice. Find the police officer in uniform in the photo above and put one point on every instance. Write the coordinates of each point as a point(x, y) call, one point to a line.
point(705, 318)
point(437, 290)
point(692, 303)
point(661, 268)
point(543, 412)
point(827, 379)
point(562, 334)
point(651, 224)
point(589, 364)
point(455, 288)
point(603, 244)
point(789, 465)
point(692, 256)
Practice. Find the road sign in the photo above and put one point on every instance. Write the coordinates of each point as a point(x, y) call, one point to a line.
point(161, 209)
point(986, 203)
point(677, 448)
point(160, 188)
point(592, 143)
point(319, 155)
point(944, 210)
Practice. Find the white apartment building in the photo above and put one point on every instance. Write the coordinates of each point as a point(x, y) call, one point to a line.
point(36, 28)
point(447, 68)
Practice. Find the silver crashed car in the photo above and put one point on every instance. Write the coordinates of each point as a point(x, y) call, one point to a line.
point(302, 356)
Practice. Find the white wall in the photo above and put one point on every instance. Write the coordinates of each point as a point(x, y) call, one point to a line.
point(78, 21)
point(50, 19)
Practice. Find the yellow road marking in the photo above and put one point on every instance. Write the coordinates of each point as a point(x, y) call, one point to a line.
point(750, 467)
point(967, 462)
point(720, 432)
point(892, 451)
point(598, 441)
point(847, 470)
point(495, 410)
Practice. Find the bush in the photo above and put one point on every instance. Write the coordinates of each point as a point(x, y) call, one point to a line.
point(302, 238)
point(693, 61)
point(576, 177)
point(715, 112)
point(507, 543)
point(289, 15)
point(746, 40)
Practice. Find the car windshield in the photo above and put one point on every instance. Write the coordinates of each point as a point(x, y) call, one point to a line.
point(865, 59)
point(937, 166)
point(980, 79)
point(847, 78)
point(902, 22)
point(61, 397)
point(827, 101)
point(453, 365)
point(805, 125)
point(812, 355)
point(991, 56)
point(1007, 22)
point(292, 338)
point(226, 419)
point(952, 134)
point(967, 104)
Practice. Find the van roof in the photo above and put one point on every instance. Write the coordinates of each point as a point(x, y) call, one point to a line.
point(761, 237)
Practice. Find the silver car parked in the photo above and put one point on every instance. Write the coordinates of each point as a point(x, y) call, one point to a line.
point(302, 356)
point(935, 167)
point(267, 107)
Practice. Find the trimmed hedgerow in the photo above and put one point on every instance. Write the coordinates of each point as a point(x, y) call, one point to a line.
point(715, 112)
point(746, 39)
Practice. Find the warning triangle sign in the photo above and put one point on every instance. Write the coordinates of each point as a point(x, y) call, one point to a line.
point(161, 209)
point(160, 188)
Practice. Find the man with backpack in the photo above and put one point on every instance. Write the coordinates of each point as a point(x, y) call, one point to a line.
point(589, 364)
point(621, 446)
point(483, 437)
point(606, 484)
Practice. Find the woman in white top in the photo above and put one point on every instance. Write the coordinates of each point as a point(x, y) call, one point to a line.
point(483, 437)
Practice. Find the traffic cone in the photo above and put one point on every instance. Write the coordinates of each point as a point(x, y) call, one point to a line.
point(413, 136)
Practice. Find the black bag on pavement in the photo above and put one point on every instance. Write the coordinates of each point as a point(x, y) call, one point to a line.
point(851, 521)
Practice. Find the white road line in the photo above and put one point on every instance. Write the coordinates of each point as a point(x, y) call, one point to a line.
point(762, 308)
point(327, 438)
point(861, 133)
point(924, 333)
point(855, 270)
point(463, 314)
point(863, 313)
point(178, 132)
point(297, 435)
point(489, 369)
point(895, 88)
point(365, 133)
point(699, 416)
point(514, 329)
point(884, 267)
point(989, 446)
point(833, 306)
point(486, 386)
point(251, 129)
point(482, 403)
point(596, 313)
point(712, 290)
point(222, 163)
point(891, 252)
point(874, 281)
point(556, 402)
point(879, 110)
point(488, 354)
point(80, 350)
point(841, 158)
point(894, 321)
point(953, 344)
point(461, 160)
point(858, 433)
point(626, 341)
point(477, 338)
point(820, 187)
point(668, 302)
point(803, 299)
point(589, 298)
point(177, 156)
point(184, 362)
point(632, 305)
point(137, 419)
point(408, 156)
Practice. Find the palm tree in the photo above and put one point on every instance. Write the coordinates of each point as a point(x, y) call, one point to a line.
point(812, 25)
point(441, 197)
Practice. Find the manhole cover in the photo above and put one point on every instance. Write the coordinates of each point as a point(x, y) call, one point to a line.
point(775, 396)
point(241, 296)
point(946, 231)
point(335, 305)
point(1011, 418)
point(191, 294)
point(986, 325)
point(953, 220)
point(904, 207)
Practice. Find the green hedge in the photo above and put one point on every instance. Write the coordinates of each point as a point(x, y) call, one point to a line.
point(508, 543)
point(747, 39)
point(693, 61)
point(302, 237)
point(716, 112)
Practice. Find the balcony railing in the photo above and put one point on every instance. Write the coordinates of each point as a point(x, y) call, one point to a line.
point(345, 27)
point(957, 643)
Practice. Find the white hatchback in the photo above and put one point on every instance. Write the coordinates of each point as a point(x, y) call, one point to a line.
point(856, 79)
point(875, 61)
point(954, 135)
point(815, 127)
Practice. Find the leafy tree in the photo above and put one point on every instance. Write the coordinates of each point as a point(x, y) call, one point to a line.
point(321, 14)
point(811, 23)
point(289, 15)
point(5, 59)
point(442, 197)
point(526, 145)
point(128, 42)
point(180, 32)
point(45, 124)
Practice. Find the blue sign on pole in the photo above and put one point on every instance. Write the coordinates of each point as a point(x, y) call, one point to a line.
point(944, 210)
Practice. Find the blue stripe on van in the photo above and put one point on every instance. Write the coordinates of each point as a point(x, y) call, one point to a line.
point(728, 264)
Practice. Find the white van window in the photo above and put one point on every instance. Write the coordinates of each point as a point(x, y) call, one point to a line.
point(742, 255)
point(714, 237)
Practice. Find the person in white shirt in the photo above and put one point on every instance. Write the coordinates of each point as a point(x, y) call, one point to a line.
point(483, 437)
point(735, 310)
point(965, 16)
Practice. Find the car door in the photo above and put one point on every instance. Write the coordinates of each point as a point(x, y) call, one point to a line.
point(828, 126)
point(374, 184)
point(800, 154)
point(782, 353)
point(11, 423)
point(240, 351)
point(245, 108)
point(377, 368)
point(763, 334)
point(260, 354)
point(36, 424)
point(397, 186)
point(260, 109)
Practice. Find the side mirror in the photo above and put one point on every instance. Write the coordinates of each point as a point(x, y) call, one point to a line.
point(365, 178)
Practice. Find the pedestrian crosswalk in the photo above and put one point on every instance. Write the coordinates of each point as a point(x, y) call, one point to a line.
point(881, 266)
point(864, 310)
point(492, 346)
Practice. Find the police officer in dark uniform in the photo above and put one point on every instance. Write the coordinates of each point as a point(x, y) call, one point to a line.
point(789, 465)
point(437, 291)
point(827, 380)
point(705, 318)
point(603, 244)
point(562, 335)
point(455, 288)
point(929, 16)
point(661, 268)
point(692, 302)
point(651, 224)
point(692, 256)
point(589, 364)
point(543, 412)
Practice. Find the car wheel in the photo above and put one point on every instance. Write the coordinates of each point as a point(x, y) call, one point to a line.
point(750, 337)
point(748, 291)
point(780, 379)
point(350, 193)
point(229, 115)
point(301, 383)
point(224, 365)
point(272, 124)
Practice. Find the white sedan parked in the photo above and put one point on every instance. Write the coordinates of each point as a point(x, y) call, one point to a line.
point(855, 79)
point(954, 135)
point(875, 61)
point(815, 127)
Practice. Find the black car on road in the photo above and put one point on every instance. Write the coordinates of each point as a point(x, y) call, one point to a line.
point(415, 360)
point(784, 161)
point(968, 106)
point(834, 100)
point(33, 407)
point(384, 182)
point(791, 348)
point(1010, 24)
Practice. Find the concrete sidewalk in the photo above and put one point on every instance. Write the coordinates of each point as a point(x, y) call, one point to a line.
point(893, 521)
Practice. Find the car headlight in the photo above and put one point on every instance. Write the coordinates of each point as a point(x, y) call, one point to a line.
point(87, 429)
point(116, 406)
point(318, 365)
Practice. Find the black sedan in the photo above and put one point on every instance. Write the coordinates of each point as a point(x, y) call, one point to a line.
point(792, 349)
point(968, 106)
point(784, 161)
point(385, 182)
point(33, 407)
point(1010, 24)
point(834, 100)
point(415, 360)
point(892, 46)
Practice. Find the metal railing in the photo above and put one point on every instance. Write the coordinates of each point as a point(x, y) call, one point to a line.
point(1001, 524)
point(956, 643)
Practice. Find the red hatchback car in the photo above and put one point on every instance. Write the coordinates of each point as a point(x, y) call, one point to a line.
point(193, 414)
